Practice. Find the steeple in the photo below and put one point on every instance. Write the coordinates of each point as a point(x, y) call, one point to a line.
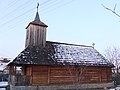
point(36, 32)
point(37, 18)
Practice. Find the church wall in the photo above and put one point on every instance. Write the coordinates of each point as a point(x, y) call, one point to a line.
point(52, 75)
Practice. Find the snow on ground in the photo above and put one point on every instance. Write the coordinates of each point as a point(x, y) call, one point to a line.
point(2, 88)
point(3, 84)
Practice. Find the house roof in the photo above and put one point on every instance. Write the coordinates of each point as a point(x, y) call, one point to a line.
point(37, 21)
point(3, 63)
point(61, 54)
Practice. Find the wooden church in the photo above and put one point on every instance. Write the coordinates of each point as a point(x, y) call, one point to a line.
point(57, 66)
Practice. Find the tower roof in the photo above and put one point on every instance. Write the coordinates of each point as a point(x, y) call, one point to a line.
point(37, 18)
point(37, 21)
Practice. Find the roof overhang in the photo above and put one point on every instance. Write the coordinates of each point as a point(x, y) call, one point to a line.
point(37, 24)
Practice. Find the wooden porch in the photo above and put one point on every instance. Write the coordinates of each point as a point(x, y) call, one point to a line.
point(20, 80)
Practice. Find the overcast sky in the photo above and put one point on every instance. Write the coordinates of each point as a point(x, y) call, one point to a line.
point(80, 22)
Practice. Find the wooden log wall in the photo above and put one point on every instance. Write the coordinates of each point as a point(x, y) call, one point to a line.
point(12, 70)
point(62, 75)
point(40, 75)
point(44, 75)
point(35, 35)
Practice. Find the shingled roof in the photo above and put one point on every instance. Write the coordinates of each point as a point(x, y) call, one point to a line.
point(37, 21)
point(61, 54)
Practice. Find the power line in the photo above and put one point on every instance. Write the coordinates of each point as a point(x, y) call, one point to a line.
point(18, 8)
point(17, 17)
point(48, 10)
point(45, 2)
point(9, 5)
point(19, 22)
point(51, 4)
point(12, 26)
point(23, 5)
point(61, 5)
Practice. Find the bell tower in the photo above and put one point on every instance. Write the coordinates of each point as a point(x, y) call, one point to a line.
point(36, 32)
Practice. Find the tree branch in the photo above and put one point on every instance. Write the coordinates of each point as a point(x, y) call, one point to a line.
point(113, 11)
point(115, 7)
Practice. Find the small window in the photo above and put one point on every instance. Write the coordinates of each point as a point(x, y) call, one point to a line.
point(19, 70)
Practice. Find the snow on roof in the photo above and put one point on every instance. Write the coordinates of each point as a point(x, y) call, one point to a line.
point(61, 54)
point(3, 66)
point(78, 54)
point(3, 63)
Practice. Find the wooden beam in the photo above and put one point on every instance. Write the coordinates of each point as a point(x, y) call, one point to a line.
point(62, 76)
point(48, 75)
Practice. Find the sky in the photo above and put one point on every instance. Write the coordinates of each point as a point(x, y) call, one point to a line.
point(81, 22)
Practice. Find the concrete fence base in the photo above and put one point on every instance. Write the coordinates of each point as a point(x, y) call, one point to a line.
point(101, 86)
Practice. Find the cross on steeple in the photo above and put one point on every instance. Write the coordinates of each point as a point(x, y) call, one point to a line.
point(93, 45)
point(37, 6)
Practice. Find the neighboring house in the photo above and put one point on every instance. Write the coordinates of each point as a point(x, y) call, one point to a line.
point(47, 65)
point(4, 71)
point(3, 65)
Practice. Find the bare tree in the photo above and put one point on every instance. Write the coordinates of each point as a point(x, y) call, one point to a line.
point(112, 10)
point(113, 55)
